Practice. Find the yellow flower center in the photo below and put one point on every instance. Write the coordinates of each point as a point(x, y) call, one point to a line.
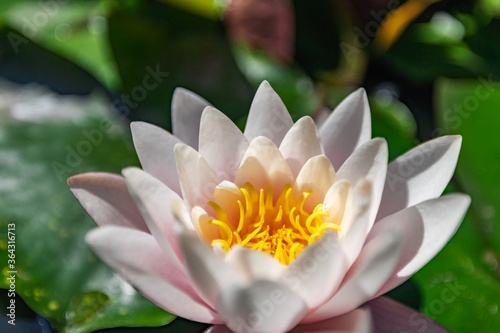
point(282, 228)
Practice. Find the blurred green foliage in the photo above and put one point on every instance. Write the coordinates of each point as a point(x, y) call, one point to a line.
point(415, 82)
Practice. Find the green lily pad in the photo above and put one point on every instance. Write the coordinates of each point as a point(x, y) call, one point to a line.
point(44, 139)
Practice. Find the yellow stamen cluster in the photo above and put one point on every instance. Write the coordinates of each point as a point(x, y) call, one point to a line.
point(282, 228)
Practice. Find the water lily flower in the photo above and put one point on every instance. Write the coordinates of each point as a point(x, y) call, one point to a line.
point(284, 226)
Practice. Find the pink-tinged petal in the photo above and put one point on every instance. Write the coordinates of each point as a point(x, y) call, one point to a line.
point(254, 265)
point(392, 317)
point(301, 143)
point(356, 321)
point(186, 113)
point(368, 162)
point(155, 148)
point(317, 272)
point(420, 174)
point(427, 227)
point(208, 273)
point(106, 199)
point(218, 329)
point(154, 200)
point(357, 224)
point(138, 258)
point(221, 143)
point(337, 201)
point(262, 307)
point(318, 176)
point(347, 128)
point(268, 116)
point(198, 179)
point(264, 165)
point(369, 272)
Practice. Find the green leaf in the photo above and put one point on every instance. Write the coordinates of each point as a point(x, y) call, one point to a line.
point(206, 8)
point(44, 139)
point(76, 30)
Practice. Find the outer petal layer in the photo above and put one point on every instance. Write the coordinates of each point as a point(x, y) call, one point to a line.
point(392, 317)
point(371, 269)
point(420, 174)
point(137, 257)
point(105, 197)
point(155, 148)
point(154, 200)
point(262, 307)
point(317, 272)
point(186, 112)
point(427, 227)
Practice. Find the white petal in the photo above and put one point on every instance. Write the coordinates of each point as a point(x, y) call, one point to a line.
point(347, 128)
point(318, 176)
point(154, 201)
point(368, 162)
point(208, 273)
point(427, 227)
point(106, 198)
point(317, 272)
point(254, 265)
point(264, 165)
point(186, 113)
point(371, 269)
point(357, 223)
point(198, 179)
point(301, 143)
point(221, 143)
point(137, 257)
point(356, 321)
point(338, 200)
point(420, 174)
point(155, 148)
point(268, 116)
point(262, 307)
